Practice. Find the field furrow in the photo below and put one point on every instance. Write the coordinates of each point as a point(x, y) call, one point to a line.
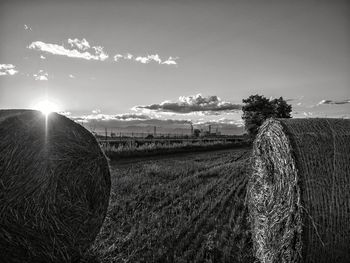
point(181, 209)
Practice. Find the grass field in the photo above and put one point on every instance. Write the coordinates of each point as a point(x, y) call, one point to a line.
point(181, 208)
point(131, 150)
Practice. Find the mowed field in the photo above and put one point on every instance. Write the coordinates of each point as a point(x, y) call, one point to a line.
point(177, 208)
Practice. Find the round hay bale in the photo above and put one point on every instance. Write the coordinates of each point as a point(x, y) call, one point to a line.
point(54, 187)
point(299, 191)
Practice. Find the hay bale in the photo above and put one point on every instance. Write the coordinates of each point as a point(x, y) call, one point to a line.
point(299, 191)
point(54, 187)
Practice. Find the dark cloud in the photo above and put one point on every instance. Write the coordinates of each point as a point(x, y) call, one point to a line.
point(196, 103)
point(131, 116)
point(97, 116)
point(168, 122)
point(339, 102)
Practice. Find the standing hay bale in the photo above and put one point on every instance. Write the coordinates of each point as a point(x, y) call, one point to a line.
point(54, 187)
point(299, 191)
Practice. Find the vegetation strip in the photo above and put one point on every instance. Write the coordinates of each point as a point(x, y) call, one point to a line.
point(178, 210)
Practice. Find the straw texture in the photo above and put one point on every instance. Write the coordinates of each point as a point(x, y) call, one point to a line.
point(54, 188)
point(299, 191)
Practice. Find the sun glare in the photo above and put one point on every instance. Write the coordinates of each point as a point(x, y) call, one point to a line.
point(46, 107)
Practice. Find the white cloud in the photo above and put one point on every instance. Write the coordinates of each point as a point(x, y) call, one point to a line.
point(65, 113)
point(80, 44)
point(7, 69)
point(307, 114)
point(41, 78)
point(128, 56)
point(72, 53)
point(155, 58)
point(170, 61)
point(143, 60)
point(82, 49)
point(100, 53)
point(96, 111)
point(41, 75)
point(42, 57)
point(194, 103)
point(71, 76)
point(118, 57)
point(26, 27)
point(236, 122)
point(146, 59)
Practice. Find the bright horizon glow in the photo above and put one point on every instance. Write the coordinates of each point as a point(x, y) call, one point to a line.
point(46, 107)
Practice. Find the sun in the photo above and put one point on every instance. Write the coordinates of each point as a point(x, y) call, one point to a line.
point(46, 107)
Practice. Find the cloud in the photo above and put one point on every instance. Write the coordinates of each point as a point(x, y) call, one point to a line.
point(41, 75)
point(339, 102)
point(131, 116)
point(71, 76)
point(170, 61)
point(145, 59)
point(96, 111)
point(97, 52)
point(80, 44)
point(307, 114)
point(128, 56)
point(155, 58)
point(7, 69)
point(238, 123)
point(65, 113)
point(82, 49)
point(225, 121)
point(100, 53)
point(98, 116)
point(118, 57)
point(195, 103)
point(149, 58)
point(26, 27)
point(42, 57)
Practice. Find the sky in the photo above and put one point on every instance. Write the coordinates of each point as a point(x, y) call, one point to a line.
point(140, 63)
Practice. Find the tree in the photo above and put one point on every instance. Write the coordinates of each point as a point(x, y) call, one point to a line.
point(258, 108)
point(196, 133)
point(281, 108)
